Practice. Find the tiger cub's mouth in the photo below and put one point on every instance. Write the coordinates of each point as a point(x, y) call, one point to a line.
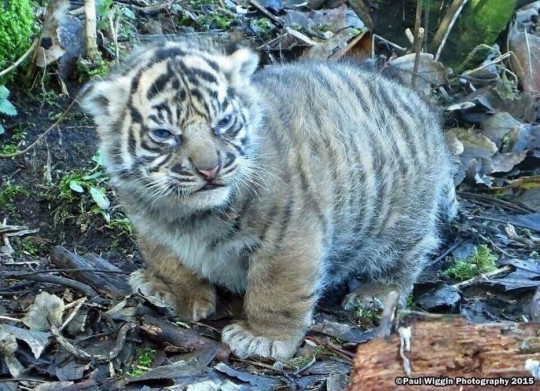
point(211, 186)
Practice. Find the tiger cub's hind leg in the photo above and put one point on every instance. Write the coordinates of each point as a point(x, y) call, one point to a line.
point(168, 283)
point(371, 294)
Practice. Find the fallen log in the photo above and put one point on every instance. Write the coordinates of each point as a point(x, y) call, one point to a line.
point(92, 270)
point(430, 351)
point(187, 340)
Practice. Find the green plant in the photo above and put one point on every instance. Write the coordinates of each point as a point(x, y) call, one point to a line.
point(121, 224)
point(16, 25)
point(12, 145)
point(482, 261)
point(6, 107)
point(145, 358)
point(263, 26)
point(215, 20)
point(8, 195)
point(367, 317)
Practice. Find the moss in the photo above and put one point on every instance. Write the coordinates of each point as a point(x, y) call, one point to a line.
point(482, 261)
point(481, 22)
point(144, 360)
point(16, 25)
point(9, 193)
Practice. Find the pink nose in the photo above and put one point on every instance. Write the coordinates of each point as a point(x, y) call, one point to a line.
point(209, 175)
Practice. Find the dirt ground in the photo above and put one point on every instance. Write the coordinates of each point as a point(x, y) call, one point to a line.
point(56, 207)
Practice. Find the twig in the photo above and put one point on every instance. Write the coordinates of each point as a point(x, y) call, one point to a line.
point(483, 277)
point(78, 304)
point(42, 135)
point(390, 43)
point(267, 13)
point(348, 356)
point(85, 289)
point(26, 274)
point(298, 35)
point(3, 317)
point(493, 200)
point(500, 221)
point(496, 247)
point(90, 25)
point(448, 251)
point(119, 344)
point(446, 26)
point(418, 39)
point(20, 60)
point(307, 366)
point(389, 315)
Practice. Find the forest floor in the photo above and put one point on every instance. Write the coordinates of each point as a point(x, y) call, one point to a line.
point(67, 247)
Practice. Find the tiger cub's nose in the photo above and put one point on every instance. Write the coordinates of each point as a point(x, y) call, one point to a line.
point(208, 174)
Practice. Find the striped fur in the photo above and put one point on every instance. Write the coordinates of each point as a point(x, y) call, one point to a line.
point(325, 172)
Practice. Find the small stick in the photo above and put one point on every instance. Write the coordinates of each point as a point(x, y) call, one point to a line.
point(90, 26)
point(418, 39)
point(20, 60)
point(267, 13)
point(77, 304)
point(483, 277)
point(446, 26)
point(3, 317)
point(85, 289)
point(119, 344)
point(493, 200)
point(42, 135)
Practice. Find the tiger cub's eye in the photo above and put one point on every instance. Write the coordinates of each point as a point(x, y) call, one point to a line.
point(160, 135)
point(224, 124)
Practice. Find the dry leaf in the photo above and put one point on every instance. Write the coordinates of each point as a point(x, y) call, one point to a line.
point(430, 72)
point(505, 162)
point(37, 340)
point(46, 309)
point(526, 60)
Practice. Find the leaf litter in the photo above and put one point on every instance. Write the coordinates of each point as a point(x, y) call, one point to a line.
point(67, 320)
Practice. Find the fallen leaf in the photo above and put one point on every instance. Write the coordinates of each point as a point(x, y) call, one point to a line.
point(531, 198)
point(46, 308)
point(53, 386)
point(37, 340)
point(505, 162)
point(342, 331)
point(181, 372)
point(526, 60)
point(430, 73)
point(256, 382)
point(498, 126)
point(444, 297)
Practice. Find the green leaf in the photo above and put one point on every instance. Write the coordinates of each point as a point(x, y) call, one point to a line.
point(7, 108)
point(4, 92)
point(100, 198)
point(75, 186)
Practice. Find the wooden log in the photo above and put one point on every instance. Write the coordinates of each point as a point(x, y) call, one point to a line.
point(445, 349)
point(92, 270)
point(187, 339)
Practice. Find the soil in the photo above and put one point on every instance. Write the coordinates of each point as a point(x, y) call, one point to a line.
point(186, 354)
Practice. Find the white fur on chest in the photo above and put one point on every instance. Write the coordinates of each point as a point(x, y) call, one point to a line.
point(221, 265)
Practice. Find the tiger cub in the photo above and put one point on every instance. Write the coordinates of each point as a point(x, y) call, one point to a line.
point(277, 184)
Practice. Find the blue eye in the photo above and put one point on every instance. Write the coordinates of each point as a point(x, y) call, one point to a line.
point(224, 124)
point(160, 135)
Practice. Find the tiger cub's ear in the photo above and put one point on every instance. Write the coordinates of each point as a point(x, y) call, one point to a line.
point(242, 64)
point(103, 99)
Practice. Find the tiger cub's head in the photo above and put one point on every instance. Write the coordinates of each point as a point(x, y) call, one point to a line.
point(177, 123)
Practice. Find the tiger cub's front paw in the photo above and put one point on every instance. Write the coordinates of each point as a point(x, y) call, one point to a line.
point(245, 343)
point(191, 302)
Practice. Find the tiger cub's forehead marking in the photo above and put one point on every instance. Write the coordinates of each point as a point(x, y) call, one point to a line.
point(191, 80)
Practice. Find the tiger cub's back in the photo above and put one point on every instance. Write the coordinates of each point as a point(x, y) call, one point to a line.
point(366, 154)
